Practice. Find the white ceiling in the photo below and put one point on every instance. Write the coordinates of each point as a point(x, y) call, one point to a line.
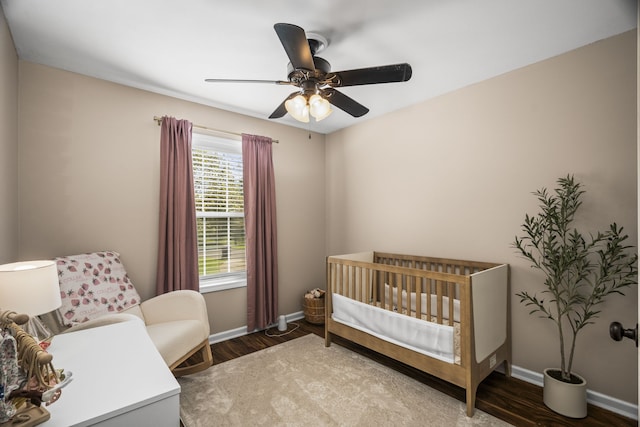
point(171, 46)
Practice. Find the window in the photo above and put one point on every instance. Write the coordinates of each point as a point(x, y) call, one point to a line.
point(217, 173)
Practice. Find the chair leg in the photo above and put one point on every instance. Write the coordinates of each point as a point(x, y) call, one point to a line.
point(199, 359)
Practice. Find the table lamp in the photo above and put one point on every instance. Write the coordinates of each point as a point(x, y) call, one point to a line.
point(30, 287)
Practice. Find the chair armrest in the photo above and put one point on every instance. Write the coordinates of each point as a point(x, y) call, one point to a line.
point(176, 305)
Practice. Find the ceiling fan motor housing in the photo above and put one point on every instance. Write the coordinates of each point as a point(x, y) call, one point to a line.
point(298, 75)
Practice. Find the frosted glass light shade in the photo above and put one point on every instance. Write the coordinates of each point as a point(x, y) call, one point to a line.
point(29, 287)
point(298, 108)
point(319, 107)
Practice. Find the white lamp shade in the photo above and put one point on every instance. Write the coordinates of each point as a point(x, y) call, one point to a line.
point(29, 287)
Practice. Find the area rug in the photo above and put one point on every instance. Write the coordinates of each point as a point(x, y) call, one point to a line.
point(303, 383)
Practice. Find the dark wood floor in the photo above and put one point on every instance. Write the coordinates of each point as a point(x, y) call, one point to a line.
point(512, 400)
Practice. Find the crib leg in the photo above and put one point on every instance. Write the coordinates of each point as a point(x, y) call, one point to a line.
point(471, 400)
point(327, 338)
point(507, 369)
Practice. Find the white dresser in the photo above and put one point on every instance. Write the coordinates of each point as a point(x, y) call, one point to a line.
point(119, 379)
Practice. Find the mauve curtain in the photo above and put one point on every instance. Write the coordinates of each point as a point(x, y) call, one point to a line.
point(178, 241)
point(261, 232)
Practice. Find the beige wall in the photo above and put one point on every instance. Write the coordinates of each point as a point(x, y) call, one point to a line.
point(89, 181)
point(453, 177)
point(8, 145)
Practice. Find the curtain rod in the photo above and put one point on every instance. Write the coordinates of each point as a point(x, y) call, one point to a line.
point(159, 121)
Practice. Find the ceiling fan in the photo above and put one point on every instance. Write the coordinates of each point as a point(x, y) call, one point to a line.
point(316, 82)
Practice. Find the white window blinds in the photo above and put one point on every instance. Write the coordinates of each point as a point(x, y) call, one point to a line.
point(217, 172)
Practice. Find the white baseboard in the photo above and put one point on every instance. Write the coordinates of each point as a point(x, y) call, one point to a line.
point(241, 331)
point(609, 403)
point(227, 335)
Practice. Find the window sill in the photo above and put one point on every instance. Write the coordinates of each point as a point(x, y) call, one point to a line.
point(215, 285)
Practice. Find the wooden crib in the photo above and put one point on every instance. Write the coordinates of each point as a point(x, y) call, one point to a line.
point(393, 303)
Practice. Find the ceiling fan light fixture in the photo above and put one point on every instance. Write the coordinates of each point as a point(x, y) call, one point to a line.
point(319, 107)
point(298, 108)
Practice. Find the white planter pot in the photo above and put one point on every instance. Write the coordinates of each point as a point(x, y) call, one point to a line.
point(565, 398)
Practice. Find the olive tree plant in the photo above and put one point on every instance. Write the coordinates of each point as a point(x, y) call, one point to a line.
point(580, 270)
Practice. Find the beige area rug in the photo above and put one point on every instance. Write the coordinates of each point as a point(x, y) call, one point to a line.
point(303, 383)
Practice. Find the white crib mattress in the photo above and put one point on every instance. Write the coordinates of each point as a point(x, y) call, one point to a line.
point(429, 338)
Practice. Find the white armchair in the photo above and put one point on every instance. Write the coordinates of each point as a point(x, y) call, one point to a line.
point(178, 325)
point(96, 290)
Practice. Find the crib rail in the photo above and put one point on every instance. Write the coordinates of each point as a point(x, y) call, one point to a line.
point(421, 287)
point(444, 265)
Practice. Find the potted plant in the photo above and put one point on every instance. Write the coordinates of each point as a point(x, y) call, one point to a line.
point(580, 272)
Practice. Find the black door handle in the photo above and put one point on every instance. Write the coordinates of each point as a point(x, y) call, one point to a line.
point(617, 332)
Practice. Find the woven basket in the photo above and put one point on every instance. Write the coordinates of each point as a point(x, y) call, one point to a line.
point(313, 310)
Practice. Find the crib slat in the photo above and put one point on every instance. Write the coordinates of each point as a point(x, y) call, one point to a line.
point(451, 299)
point(361, 286)
point(367, 288)
point(345, 280)
point(334, 278)
point(418, 288)
point(429, 293)
point(400, 287)
point(382, 280)
point(352, 283)
point(334, 269)
point(439, 289)
point(358, 283)
point(407, 294)
point(390, 280)
point(374, 286)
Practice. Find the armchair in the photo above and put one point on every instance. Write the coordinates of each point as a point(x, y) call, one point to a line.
point(96, 290)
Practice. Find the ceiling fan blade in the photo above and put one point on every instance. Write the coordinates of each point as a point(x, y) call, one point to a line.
point(295, 43)
point(345, 103)
point(373, 75)
point(281, 110)
point(277, 82)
